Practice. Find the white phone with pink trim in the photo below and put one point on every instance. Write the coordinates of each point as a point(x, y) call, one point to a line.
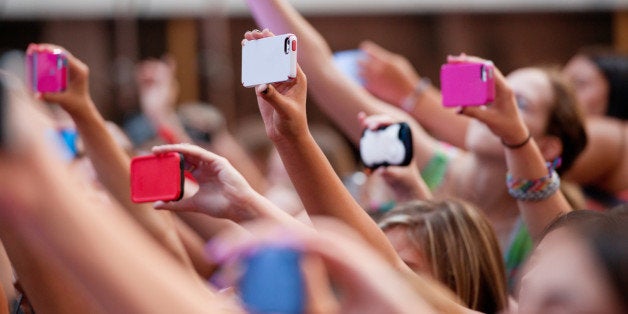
point(269, 60)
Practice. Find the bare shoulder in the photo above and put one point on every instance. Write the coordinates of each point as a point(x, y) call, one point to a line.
point(603, 161)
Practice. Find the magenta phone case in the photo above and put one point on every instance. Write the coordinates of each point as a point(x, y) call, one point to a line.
point(47, 71)
point(157, 178)
point(467, 84)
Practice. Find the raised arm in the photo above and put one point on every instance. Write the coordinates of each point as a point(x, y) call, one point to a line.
point(100, 247)
point(282, 106)
point(223, 192)
point(392, 78)
point(110, 161)
point(525, 162)
point(338, 96)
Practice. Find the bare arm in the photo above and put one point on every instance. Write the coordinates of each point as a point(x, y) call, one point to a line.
point(524, 162)
point(392, 78)
point(125, 270)
point(601, 161)
point(338, 96)
point(109, 159)
point(282, 107)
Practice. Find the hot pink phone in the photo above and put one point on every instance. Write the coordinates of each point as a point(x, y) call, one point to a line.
point(467, 84)
point(47, 71)
point(157, 178)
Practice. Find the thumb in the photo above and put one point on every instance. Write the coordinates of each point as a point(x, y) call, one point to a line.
point(51, 97)
point(478, 113)
point(269, 93)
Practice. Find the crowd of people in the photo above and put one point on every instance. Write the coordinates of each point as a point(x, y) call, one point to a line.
point(515, 206)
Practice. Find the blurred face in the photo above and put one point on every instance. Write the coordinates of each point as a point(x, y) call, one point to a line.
point(534, 97)
point(407, 250)
point(590, 85)
point(563, 276)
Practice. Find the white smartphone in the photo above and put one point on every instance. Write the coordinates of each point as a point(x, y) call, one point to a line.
point(269, 60)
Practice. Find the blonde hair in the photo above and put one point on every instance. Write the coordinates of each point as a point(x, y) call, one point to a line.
point(461, 248)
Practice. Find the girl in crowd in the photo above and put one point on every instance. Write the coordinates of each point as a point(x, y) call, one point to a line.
point(600, 78)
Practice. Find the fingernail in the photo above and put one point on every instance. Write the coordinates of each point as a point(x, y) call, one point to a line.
point(262, 89)
point(459, 111)
point(256, 31)
point(158, 204)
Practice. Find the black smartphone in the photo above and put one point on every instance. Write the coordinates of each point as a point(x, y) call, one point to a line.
point(389, 145)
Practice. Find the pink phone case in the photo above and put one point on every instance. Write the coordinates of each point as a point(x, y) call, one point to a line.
point(157, 178)
point(47, 71)
point(467, 84)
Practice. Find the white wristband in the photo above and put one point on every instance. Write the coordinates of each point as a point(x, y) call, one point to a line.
point(409, 102)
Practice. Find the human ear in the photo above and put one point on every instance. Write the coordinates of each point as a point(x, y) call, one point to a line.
point(551, 147)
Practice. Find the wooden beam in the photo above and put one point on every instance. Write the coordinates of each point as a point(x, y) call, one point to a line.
point(620, 31)
point(182, 42)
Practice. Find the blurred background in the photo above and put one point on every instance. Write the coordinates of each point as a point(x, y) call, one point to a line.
point(204, 38)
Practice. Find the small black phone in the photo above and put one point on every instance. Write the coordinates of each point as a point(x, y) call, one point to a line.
point(389, 145)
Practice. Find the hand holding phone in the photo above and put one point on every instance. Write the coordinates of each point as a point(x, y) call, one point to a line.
point(467, 84)
point(269, 60)
point(157, 178)
point(46, 69)
point(387, 146)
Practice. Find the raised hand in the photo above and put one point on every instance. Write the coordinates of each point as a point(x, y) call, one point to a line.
point(405, 181)
point(502, 117)
point(223, 192)
point(282, 105)
point(76, 98)
point(387, 75)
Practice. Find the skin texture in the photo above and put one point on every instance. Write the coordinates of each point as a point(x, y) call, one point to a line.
point(546, 288)
point(590, 85)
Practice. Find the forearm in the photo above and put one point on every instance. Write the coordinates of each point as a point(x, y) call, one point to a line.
point(49, 285)
point(111, 265)
point(337, 96)
point(113, 167)
point(442, 123)
point(527, 163)
point(225, 145)
point(322, 192)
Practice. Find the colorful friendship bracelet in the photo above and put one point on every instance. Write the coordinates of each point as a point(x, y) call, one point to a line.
point(537, 189)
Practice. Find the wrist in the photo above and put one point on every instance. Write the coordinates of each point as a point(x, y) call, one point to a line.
point(83, 109)
point(517, 141)
point(409, 102)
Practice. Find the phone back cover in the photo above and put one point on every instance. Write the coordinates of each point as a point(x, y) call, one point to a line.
point(157, 178)
point(47, 71)
point(463, 85)
point(266, 61)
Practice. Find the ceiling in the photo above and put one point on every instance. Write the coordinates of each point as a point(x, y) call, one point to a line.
point(45, 9)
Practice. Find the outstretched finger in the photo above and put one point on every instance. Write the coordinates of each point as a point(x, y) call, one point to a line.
point(193, 154)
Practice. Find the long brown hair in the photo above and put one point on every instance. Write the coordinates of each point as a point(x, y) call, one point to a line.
point(565, 119)
point(461, 248)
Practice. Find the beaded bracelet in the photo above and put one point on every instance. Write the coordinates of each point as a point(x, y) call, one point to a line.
point(409, 102)
point(534, 190)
